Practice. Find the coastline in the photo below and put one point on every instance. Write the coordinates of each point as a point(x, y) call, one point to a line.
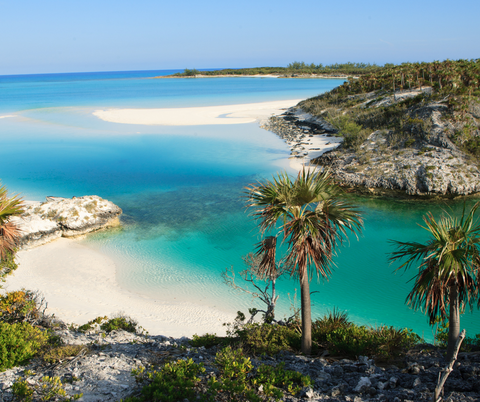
point(196, 116)
point(79, 284)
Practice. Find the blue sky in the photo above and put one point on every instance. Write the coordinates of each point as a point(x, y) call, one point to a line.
point(52, 36)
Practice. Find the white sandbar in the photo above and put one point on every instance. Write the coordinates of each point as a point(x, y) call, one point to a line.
point(79, 284)
point(197, 116)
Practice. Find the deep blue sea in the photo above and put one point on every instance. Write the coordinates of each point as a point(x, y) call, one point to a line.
point(181, 189)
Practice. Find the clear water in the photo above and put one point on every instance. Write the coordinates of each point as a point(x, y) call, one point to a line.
point(181, 189)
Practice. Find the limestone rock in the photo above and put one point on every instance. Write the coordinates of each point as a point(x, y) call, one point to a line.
point(57, 217)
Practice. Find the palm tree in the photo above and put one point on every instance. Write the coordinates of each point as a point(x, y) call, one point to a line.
point(314, 220)
point(448, 269)
point(9, 233)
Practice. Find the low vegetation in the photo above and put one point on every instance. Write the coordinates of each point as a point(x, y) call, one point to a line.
point(237, 380)
point(293, 69)
point(362, 105)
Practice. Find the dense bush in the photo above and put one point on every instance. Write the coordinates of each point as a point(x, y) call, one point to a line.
point(238, 380)
point(114, 324)
point(20, 306)
point(268, 338)
point(49, 389)
point(18, 343)
point(110, 324)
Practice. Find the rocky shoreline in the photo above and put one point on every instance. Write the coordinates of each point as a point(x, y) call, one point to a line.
point(432, 167)
point(57, 217)
point(102, 370)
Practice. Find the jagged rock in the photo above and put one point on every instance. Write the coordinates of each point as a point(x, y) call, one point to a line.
point(432, 166)
point(57, 217)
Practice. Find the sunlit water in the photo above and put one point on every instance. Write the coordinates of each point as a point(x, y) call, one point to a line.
point(181, 189)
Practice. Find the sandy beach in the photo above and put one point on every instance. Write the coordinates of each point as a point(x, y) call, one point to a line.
point(79, 284)
point(197, 116)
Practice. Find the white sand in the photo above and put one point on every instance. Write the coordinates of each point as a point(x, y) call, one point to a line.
point(79, 284)
point(315, 147)
point(6, 115)
point(196, 116)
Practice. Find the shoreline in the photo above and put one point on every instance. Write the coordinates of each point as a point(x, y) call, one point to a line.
point(197, 116)
point(79, 284)
point(314, 76)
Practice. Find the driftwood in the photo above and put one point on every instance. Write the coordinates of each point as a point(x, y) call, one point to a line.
point(443, 375)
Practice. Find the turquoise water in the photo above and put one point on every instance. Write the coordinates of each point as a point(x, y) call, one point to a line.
point(181, 189)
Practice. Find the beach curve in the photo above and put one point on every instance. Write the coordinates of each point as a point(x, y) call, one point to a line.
point(197, 116)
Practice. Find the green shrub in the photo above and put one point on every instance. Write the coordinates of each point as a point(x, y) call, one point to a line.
point(206, 340)
point(276, 376)
point(238, 381)
point(19, 306)
point(91, 324)
point(126, 323)
point(268, 338)
point(18, 343)
point(50, 389)
point(174, 382)
point(59, 353)
point(341, 337)
point(7, 265)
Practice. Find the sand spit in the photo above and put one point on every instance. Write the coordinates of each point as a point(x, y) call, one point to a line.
point(197, 116)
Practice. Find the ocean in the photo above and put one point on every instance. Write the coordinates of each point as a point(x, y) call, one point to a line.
point(182, 190)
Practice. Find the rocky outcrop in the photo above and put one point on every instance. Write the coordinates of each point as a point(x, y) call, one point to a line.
point(431, 167)
point(57, 217)
point(102, 370)
point(427, 164)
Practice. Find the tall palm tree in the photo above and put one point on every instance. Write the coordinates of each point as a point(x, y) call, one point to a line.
point(314, 218)
point(448, 269)
point(9, 233)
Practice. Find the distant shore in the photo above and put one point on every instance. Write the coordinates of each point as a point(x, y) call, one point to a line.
point(79, 283)
point(319, 76)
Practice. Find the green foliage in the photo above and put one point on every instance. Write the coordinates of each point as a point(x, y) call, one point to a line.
point(18, 343)
point(238, 380)
point(341, 337)
point(354, 135)
point(268, 338)
point(7, 265)
point(297, 67)
point(91, 324)
point(190, 72)
point(19, 306)
point(276, 376)
point(174, 382)
point(206, 340)
point(49, 389)
point(126, 323)
point(110, 324)
point(60, 352)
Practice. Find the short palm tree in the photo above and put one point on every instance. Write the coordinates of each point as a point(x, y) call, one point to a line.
point(448, 267)
point(9, 233)
point(314, 220)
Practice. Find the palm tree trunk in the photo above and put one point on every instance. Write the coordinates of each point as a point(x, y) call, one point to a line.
point(453, 322)
point(306, 315)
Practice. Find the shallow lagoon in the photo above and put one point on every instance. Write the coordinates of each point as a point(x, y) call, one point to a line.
point(181, 190)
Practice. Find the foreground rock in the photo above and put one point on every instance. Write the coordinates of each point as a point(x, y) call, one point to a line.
point(102, 371)
point(57, 217)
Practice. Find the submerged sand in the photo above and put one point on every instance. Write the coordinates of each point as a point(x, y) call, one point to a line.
point(197, 116)
point(79, 284)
